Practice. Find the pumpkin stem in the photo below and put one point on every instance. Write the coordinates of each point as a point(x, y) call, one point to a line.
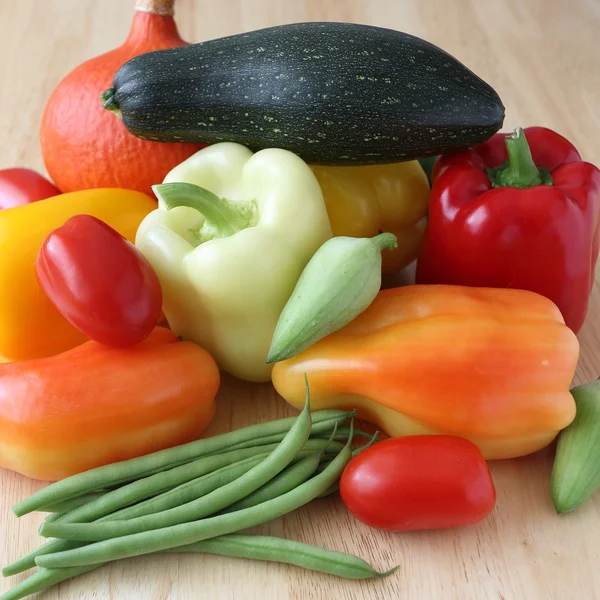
point(157, 7)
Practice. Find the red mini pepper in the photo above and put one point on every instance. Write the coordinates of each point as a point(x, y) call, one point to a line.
point(99, 281)
point(20, 186)
point(519, 211)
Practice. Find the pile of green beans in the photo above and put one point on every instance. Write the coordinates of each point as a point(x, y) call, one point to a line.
point(195, 498)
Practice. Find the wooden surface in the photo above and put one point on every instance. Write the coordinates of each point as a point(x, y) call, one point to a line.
point(543, 57)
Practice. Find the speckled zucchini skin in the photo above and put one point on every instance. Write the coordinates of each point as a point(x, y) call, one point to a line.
point(333, 93)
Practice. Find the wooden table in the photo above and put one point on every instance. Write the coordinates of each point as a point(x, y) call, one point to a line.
point(543, 59)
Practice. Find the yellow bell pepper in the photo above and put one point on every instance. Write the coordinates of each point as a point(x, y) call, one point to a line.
point(30, 325)
point(365, 201)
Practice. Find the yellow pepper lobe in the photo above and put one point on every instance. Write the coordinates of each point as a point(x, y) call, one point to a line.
point(364, 201)
point(30, 325)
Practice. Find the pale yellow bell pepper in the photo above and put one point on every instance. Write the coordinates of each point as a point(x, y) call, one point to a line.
point(229, 253)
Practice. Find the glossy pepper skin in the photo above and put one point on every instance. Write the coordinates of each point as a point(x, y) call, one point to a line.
point(20, 186)
point(30, 325)
point(229, 255)
point(493, 366)
point(96, 404)
point(419, 482)
point(368, 200)
point(100, 282)
point(543, 238)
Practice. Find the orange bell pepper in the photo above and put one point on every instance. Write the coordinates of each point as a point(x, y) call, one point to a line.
point(96, 404)
point(490, 365)
point(30, 325)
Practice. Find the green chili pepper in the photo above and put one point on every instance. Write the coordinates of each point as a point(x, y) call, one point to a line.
point(340, 282)
point(576, 471)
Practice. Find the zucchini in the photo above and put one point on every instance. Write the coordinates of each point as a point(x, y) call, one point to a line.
point(333, 93)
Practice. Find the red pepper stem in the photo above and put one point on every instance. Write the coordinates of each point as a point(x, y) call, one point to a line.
point(520, 170)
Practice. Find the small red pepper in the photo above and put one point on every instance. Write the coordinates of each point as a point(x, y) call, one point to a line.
point(519, 211)
point(20, 186)
point(99, 281)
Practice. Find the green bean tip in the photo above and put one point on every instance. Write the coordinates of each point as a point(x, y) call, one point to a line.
point(42, 529)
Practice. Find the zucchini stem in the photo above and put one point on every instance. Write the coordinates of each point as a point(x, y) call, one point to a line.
point(109, 102)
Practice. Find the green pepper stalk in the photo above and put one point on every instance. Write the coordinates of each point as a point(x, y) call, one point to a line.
point(519, 171)
point(221, 218)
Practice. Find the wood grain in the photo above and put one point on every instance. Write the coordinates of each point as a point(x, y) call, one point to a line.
point(543, 57)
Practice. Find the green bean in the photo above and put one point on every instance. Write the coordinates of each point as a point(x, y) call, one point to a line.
point(183, 493)
point(28, 561)
point(334, 487)
point(263, 547)
point(42, 580)
point(68, 505)
point(142, 466)
point(54, 517)
point(191, 490)
point(159, 482)
point(287, 480)
point(342, 434)
point(188, 491)
point(254, 547)
point(189, 533)
point(151, 486)
point(318, 430)
point(214, 501)
point(133, 492)
point(372, 440)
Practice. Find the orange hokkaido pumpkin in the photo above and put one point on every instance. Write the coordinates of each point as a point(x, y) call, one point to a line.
point(83, 145)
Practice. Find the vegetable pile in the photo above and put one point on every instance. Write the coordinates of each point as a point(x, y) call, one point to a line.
point(234, 209)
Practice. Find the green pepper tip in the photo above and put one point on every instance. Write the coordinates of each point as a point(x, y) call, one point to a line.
point(275, 356)
point(389, 572)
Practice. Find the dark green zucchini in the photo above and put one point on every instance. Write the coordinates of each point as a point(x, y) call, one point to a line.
point(333, 93)
point(427, 166)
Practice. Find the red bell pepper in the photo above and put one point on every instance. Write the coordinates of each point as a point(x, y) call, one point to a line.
point(519, 211)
